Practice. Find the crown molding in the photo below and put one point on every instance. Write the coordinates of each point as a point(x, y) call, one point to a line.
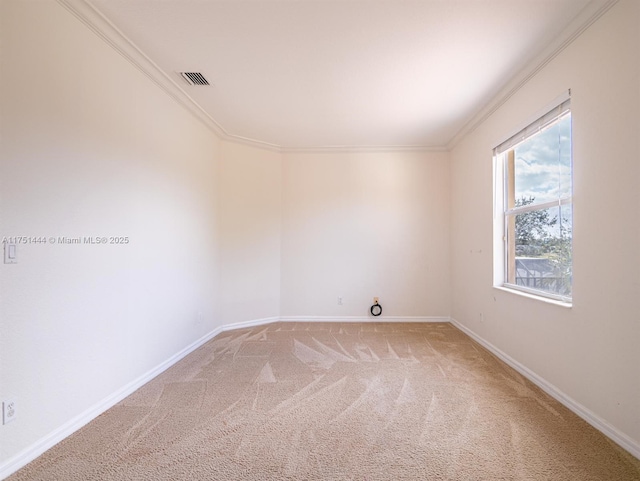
point(366, 149)
point(238, 139)
point(332, 149)
point(91, 17)
point(116, 39)
point(587, 17)
point(107, 31)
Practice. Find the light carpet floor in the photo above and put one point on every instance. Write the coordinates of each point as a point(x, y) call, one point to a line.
point(370, 401)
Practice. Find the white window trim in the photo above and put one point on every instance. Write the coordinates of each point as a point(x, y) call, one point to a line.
point(501, 214)
point(516, 291)
point(541, 206)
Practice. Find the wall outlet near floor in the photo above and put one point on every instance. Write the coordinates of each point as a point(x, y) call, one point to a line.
point(8, 411)
point(339, 301)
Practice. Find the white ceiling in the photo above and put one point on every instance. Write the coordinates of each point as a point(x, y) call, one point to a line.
point(323, 73)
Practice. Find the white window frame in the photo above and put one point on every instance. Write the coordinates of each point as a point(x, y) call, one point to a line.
point(503, 211)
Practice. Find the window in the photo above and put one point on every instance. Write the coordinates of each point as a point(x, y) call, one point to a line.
point(534, 207)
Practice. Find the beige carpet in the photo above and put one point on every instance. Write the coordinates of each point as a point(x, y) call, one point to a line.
point(337, 402)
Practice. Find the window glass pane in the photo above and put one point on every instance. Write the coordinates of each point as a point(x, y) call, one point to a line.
point(564, 156)
point(543, 250)
point(543, 165)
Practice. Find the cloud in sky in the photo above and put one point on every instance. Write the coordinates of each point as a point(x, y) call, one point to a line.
point(543, 163)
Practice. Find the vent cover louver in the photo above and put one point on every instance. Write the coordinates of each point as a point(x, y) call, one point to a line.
point(194, 78)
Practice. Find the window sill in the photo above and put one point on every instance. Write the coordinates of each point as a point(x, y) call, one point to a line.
point(548, 300)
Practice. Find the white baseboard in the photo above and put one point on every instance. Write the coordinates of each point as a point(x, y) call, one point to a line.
point(600, 424)
point(27, 455)
point(252, 323)
point(21, 459)
point(363, 319)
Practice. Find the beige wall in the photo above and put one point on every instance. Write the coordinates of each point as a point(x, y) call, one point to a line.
point(91, 147)
point(589, 352)
point(359, 225)
point(222, 233)
point(250, 227)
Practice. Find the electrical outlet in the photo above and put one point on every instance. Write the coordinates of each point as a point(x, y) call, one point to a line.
point(8, 411)
point(339, 301)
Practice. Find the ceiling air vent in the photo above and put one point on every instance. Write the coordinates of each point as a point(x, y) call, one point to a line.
point(194, 78)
